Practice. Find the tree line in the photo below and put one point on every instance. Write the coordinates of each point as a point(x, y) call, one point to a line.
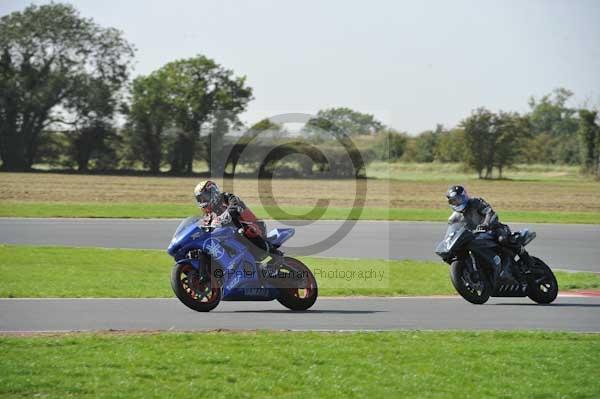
point(66, 99)
point(487, 142)
point(551, 132)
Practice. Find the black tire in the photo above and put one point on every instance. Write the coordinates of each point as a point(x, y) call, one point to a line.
point(297, 298)
point(542, 286)
point(459, 275)
point(199, 296)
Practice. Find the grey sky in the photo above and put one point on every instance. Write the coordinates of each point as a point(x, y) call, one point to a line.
point(412, 64)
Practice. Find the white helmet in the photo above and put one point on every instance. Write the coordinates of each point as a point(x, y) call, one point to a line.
point(207, 194)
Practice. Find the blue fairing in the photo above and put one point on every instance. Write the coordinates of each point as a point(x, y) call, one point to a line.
point(241, 276)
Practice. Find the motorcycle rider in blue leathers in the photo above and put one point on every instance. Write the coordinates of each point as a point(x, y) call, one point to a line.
point(213, 203)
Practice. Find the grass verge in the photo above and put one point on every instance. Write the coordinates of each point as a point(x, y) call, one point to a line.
point(312, 364)
point(145, 210)
point(65, 272)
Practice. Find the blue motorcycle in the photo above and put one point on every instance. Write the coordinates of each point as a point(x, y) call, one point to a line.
point(216, 262)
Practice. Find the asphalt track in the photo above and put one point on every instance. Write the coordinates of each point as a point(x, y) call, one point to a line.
point(571, 247)
point(408, 313)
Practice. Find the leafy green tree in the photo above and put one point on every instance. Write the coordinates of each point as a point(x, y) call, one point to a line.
point(493, 140)
point(479, 144)
point(426, 143)
point(540, 148)
point(510, 130)
point(175, 104)
point(346, 121)
point(410, 151)
point(47, 53)
point(93, 141)
point(148, 119)
point(93, 135)
point(450, 146)
point(51, 145)
point(274, 130)
point(390, 145)
point(250, 148)
point(199, 89)
point(551, 116)
point(221, 122)
point(265, 125)
point(321, 129)
point(589, 136)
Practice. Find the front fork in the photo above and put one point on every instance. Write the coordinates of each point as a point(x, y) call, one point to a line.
point(474, 272)
point(205, 266)
point(526, 258)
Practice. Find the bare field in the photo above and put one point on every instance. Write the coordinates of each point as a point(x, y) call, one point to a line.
point(571, 195)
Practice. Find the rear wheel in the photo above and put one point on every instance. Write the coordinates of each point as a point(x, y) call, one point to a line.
point(542, 286)
point(297, 285)
point(194, 292)
point(474, 288)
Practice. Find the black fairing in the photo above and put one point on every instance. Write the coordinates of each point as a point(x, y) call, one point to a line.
point(455, 240)
point(485, 246)
point(459, 239)
point(491, 258)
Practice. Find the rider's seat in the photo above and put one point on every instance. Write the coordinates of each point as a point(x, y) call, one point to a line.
point(523, 237)
point(278, 236)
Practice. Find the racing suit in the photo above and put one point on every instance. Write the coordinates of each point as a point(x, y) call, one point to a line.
point(477, 214)
point(243, 218)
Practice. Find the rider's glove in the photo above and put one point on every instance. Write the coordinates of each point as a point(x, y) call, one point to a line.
point(234, 204)
point(482, 227)
point(234, 209)
point(225, 218)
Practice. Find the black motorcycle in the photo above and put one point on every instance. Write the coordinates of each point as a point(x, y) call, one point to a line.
point(480, 267)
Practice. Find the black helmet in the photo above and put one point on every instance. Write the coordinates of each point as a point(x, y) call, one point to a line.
point(457, 198)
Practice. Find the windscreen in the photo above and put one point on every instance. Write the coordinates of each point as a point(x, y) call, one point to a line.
point(454, 231)
point(185, 223)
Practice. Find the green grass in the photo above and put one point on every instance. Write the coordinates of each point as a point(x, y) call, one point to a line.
point(144, 210)
point(293, 365)
point(30, 271)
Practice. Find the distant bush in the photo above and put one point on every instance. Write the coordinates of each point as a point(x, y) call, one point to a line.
point(390, 145)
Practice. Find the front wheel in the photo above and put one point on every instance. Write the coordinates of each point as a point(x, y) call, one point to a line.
point(542, 286)
point(474, 288)
point(192, 291)
point(297, 285)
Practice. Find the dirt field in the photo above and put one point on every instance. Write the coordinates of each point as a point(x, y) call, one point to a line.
point(571, 195)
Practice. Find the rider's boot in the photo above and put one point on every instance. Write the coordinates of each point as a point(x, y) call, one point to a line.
point(528, 264)
point(271, 268)
point(524, 255)
point(276, 259)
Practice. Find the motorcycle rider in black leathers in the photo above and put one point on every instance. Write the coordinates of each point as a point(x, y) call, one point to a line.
point(478, 215)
